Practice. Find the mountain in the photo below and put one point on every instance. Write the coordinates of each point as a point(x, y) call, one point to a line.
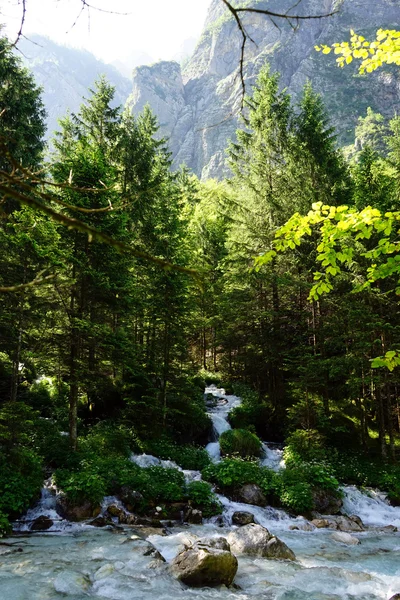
point(65, 75)
point(199, 107)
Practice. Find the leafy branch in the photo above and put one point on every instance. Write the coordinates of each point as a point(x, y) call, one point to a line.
point(384, 50)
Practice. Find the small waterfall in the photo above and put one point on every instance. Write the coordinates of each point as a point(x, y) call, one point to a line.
point(45, 507)
point(147, 460)
point(273, 457)
point(219, 417)
point(371, 506)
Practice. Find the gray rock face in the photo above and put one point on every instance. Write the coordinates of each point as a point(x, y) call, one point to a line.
point(199, 110)
point(242, 518)
point(208, 562)
point(255, 540)
point(251, 494)
point(326, 502)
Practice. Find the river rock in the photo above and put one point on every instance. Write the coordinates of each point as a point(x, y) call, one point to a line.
point(193, 516)
point(340, 523)
point(345, 538)
point(123, 517)
point(326, 503)
point(390, 529)
point(302, 525)
point(131, 498)
point(77, 512)
point(208, 562)
point(320, 523)
point(71, 583)
point(255, 540)
point(395, 597)
point(42, 523)
point(352, 523)
point(100, 521)
point(242, 518)
point(251, 494)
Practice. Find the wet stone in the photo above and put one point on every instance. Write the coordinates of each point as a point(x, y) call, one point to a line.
point(41, 524)
point(345, 538)
point(208, 563)
point(242, 518)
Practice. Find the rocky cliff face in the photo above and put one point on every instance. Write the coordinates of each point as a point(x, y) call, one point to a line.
point(199, 108)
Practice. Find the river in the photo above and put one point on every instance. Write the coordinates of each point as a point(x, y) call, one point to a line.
point(79, 562)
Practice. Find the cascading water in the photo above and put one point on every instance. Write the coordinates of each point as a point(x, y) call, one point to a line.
point(219, 414)
point(86, 563)
point(371, 506)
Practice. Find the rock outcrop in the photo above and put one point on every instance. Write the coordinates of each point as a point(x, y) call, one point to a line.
point(207, 563)
point(251, 494)
point(199, 109)
point(255, 540)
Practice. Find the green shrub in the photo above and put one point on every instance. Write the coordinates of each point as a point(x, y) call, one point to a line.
point(107, 438)
point(307, 444)
point(187, 457)
point(240, 442)
point(167, 484)
point(202, 496)
point(293, 492)
point(230, 474)
point(209, 377)
point(81, 486)
point(5, 526)
point(21, 478)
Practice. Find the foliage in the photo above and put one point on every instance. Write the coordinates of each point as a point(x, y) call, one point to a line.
point(81, 486)
point(239, 442)
point(188, 457)
point(201, 495)
point(21, 479)
point(384, 50)
point(232, 473)
point(307, 444)
point(294, 492)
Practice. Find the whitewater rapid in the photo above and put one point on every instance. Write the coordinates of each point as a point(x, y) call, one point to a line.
point(78, 562)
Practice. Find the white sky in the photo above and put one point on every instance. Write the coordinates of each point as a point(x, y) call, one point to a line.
point(154, 27)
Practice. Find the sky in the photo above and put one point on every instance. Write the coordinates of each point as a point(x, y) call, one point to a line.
point(156, 29)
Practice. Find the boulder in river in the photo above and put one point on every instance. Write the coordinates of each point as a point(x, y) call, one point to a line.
point(326, 502)
point(207, 563)
point(345, 538)
point(77, 512)
point(131, 498)
point(193, 516)
point(255, 540)
point(251, 493)
point(123, 517)
point(340, 522)
point(241, 517)
point(42, 523)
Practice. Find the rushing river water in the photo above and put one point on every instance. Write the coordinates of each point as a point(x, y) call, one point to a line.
point(79, 562)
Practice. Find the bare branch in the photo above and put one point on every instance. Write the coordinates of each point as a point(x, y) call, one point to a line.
point(39, 280)
point(286, 16)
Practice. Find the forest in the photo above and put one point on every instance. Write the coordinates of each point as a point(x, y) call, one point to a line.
point(126, 289)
